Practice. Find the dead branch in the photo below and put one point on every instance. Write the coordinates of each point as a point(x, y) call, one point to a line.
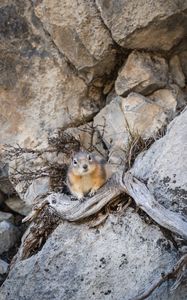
point(118, 184)
point(177, 273)
point(146, 201)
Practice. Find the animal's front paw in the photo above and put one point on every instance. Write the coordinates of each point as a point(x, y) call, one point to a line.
point(73, 198)
point(92, 192)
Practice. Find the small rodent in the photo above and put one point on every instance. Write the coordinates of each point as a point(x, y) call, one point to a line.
point(86, 174)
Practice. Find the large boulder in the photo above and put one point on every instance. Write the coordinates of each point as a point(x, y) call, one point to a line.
point(145, 24)
point(115, 261)
point(164, 169)
point(79, 33)
point(39, 90)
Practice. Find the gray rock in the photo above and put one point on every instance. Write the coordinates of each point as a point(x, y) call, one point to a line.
point(2, 197)
point(9, 235)
point(5, 185)
point(149, 24)
point(5, 216)
point(37, 188)
point(18, 205)
point(164, 166)
point(115, 261)
point(3, 267)
point(142, 73)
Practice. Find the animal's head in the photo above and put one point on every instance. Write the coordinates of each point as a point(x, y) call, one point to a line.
point(83, 163)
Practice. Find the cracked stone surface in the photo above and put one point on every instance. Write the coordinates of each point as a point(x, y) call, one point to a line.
point(145, 24)
point(164, 166)
point(115, 261)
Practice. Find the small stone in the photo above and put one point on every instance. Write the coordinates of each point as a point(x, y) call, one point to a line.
point(183, 60)
point(2, 197)
point(3, 267)
point(9, 235)
point(4, 216)
point(167, 99)
point(142, 73)
point(143, 115)
point(18, 205)
point(176, 71)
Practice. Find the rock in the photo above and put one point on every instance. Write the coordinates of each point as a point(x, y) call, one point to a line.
point(38, 187)
point(133, 115)
point(167, 99)
point(146, 24)
point(3, 267)
point(183, 61)
point(2, 197)
point(115, 261)
point(9, 235)
point(5, 216)
point(79, 33)
point(114, 133)
point(176, 71)
point(143, 116)
point(18, 205)
point(5, 185)
point(142, 73)
point(47, 93)
point(163, 166)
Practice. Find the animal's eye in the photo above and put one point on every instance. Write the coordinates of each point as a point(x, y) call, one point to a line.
point(74, 162)
point(89, 158)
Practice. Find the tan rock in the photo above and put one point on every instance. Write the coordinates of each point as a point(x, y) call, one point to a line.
point(142, 73)
point(167, 99)
point(176, 71)
point(124, 117)
point(79, 33)
point(149, 24)
point(143, 115)
point(183, 60)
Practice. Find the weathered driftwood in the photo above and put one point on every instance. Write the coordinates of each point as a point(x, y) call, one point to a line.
point(118, 184)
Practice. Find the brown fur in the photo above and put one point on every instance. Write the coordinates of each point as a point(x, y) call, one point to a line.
point(81, 183)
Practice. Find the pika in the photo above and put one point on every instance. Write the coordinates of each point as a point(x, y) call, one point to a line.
point(86, 174)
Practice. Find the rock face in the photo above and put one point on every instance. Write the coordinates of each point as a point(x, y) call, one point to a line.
point(45, 91)
point(145, 24)
point(114, 262)
point(142, 73)
point(101, 72)
point(79, 33)
point(163, 166)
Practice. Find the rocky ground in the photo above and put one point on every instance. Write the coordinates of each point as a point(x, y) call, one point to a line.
point(111, 77)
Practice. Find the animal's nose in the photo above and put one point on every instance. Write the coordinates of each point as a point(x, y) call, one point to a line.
point(85, 167)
